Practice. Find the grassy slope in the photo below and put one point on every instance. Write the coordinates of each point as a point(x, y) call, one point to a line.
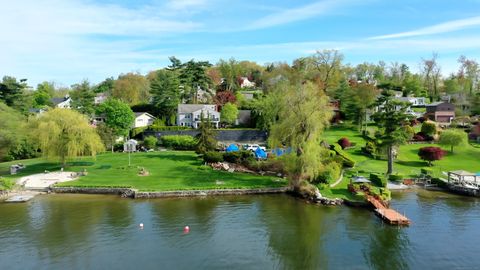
point(408, 163)
point(168, 171)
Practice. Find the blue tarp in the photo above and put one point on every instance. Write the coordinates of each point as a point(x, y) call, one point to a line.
point(280, 151)
point(232, 148)
point(260, 154)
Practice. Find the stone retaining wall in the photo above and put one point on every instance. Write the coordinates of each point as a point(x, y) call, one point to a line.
point(127, 192)
point(211, 192)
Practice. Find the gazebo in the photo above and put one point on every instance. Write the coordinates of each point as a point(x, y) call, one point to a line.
point(462, 177)
point(130, 146)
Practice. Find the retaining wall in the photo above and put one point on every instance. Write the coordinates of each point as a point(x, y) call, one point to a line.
point(223, 135)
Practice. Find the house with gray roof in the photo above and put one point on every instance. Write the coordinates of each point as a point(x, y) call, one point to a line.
point(63, 102)
point(189, 115)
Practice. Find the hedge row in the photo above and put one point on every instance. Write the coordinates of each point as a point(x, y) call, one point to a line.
point(179, 142)
point(346, 160)
point(378, 179)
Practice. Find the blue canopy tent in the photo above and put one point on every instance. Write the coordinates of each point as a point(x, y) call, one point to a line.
point(281, 151)
point(232, 148)
point(260, 154)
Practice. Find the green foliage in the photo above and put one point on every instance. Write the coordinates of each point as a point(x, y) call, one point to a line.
point(64, 133)
point(391, 119)
point(265, 111)
point(24, 149)
point(165, 90)
point(12, 93)
point(229, 113)
point(346, 160)
point(410, 132)
point(396, 177)
point(105, 86)
point(118, 116)
point(150, 142)
point(107, 135)
point(426, 171)
point(12, 131)
point(370, 149)
point(179, 142)
point(213, 157)
point(166, 128)
point(206, 140)
point(6, 184)
point(137, 131)
point(329, 173)
point(378, 179)
point(83, 98)
point(132, 89)
point(429, 128)
point(453, 137)
point(304, 114)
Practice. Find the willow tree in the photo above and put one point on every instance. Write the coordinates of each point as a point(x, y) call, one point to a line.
point(304, 114)
point(64, 134)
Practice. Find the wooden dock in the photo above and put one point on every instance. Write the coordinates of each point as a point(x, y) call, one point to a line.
point(389, 215)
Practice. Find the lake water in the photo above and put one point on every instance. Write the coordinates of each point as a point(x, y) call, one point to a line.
point(246, 232)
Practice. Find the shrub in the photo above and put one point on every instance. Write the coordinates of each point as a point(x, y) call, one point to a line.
point(330, 173)
point(378, 179)
point(431, 153)
point(426, 171)
point(6, 183)
point(346, 160)
point(418, 138)
point(396, 177)
point(429, 128)
point(167, 128)
point(425, 137)
point(344, 143)
point(232, 157)
point(179, 142)
point(137, 131)
point(370, 149)
point(213, 157)
point(410, 132)
point(150, 142)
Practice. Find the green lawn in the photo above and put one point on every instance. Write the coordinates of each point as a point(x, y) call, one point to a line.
point(172, 170)
point(408, 163)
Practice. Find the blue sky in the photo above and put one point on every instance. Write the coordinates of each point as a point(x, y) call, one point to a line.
point(69, 40)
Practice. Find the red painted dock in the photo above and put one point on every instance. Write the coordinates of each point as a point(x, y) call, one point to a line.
point(389, 215)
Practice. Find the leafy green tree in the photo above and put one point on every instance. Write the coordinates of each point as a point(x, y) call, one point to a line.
point(165, 90)
point(132, 89)
point(230, 71)
point(11, 129)
point(64, 134)
point(193, 76)
point(304, 114)
point(452, 138)
point(391, 119)
point(107, 135)
point(41, 99)
point(12, 93)
point(118, 117)
point(206, 140)
point(105, 87)
point(229, 113)
point(46, 87)
point(83, 98)
point(266, 110)
point(362, 96)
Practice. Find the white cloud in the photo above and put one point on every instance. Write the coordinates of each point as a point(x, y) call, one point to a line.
point(446, 27)
point(300, 13)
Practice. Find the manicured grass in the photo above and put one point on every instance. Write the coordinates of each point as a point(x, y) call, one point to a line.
point(407, 163)
point(172, 170)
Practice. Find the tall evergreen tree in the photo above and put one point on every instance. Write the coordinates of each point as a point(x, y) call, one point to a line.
point(206, 140)
point(83, 98)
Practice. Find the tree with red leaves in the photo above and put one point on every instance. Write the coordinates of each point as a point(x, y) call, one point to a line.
point(344, 143)
point(223, 97)
point(431, 153)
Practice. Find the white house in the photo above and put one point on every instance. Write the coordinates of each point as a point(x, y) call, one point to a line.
point(100, 98)
point(143, 119)
point(245, 82)
point(414, 101)
point(63, 102)
point(189, 115)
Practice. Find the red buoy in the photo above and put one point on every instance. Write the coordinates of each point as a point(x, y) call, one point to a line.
point(186, 229)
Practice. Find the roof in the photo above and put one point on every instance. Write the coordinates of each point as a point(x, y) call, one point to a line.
point(137, 114)
point(462, 173)
point(360, 179)
point(57, 101)
point(434, 104)
point(190, 108)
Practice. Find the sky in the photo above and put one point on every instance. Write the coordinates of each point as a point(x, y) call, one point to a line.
point(66, 41)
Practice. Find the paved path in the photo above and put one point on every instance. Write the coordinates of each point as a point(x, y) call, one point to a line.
point(338, 181)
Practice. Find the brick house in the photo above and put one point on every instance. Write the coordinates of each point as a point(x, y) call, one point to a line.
point(442, 112)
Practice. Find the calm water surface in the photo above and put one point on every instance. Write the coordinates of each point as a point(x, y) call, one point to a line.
point(247, 232)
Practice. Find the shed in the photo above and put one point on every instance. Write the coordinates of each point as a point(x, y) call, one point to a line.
point(130, 146)
point(232, 148)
